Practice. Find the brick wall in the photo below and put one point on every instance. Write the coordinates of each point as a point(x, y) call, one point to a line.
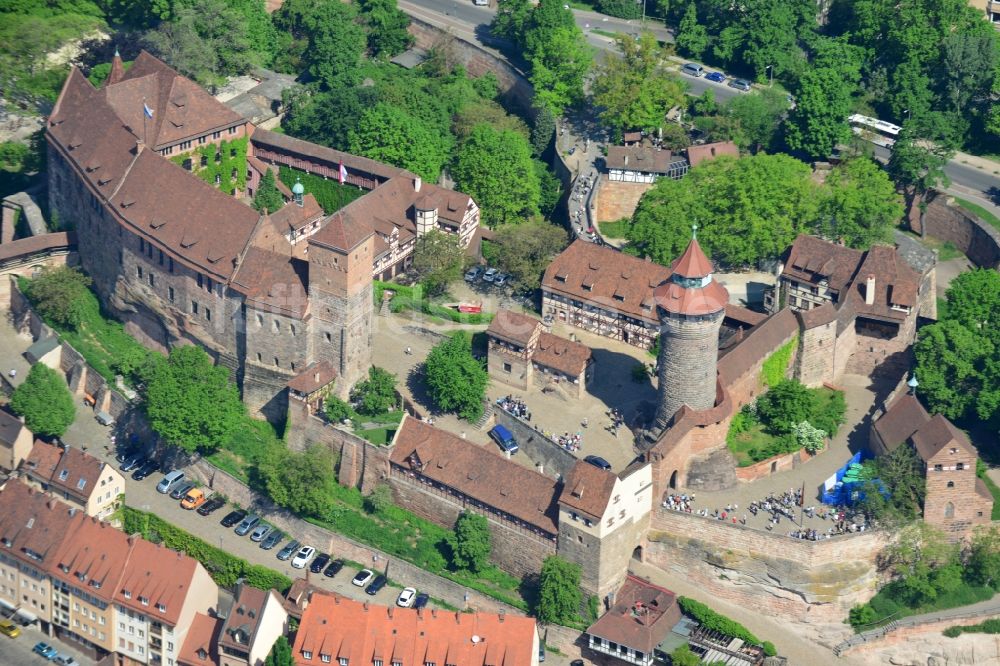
point(794, 579)
point(817, 354)
point(554, 459)
point(520, 374)
point(772, 465)
point(958, 508)
point(977, 239)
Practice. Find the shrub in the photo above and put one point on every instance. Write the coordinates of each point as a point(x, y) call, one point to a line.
point(639, 372)
point(808, 437)
point(769, 649)
point(953, 632)
point(709, 619)
point(337, 410)
point(59, 295)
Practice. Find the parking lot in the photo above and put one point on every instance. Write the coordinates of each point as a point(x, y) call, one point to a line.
point(18, 651)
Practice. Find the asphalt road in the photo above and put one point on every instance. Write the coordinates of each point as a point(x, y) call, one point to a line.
point(17, 651)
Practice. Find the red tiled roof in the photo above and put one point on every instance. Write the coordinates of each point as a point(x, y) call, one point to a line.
point(901, 419)
point(758, 342)
point(639, 158)
point(33, 524)
point(983, 490)
point(292, 217)
point(742, 315)
point(274, 282)
point(160, 575)
point(240, 627)
point(477, 472)
point(691, 301)
point(341, 233)
point(335, 627)
point(587, 489)
point(642, 616)
point(566, 356)
point(94, 558)
point(812, 259)
point(513, 327)
point(936, 434)
point(35, 244)
point(69, 471)
point(10, 427)
point(616, 281)
point(314, 377)
point(200, 648)
point(692, 263)
point(709, 151)
point(288, 144)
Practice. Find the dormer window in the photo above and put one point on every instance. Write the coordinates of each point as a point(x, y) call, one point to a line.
point(63, 475)
point(162, 608)
point(127, 594)
point(144, 601)
point(83, 482)
point(96, 584)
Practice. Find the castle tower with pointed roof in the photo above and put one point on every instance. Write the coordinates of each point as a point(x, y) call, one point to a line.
point(691, 306)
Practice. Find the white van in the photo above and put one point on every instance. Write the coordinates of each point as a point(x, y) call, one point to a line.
point(481, 3)
point(170, 481)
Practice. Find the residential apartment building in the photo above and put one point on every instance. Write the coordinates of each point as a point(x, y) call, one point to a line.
point(92, 584)
point(255, 622)
point(76, 477)
point(604, 291)
point(338, 630)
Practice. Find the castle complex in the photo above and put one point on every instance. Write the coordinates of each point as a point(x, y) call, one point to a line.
point(148, 168)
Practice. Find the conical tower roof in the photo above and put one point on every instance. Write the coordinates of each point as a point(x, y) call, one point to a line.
point(693, 263)
point(117, 72)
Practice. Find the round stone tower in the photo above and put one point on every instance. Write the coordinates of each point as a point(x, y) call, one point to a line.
point(691, 306)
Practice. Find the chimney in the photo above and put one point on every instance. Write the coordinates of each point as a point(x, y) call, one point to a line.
point(501, 614)
point(416, 184)
point(870, 290)
point(458, 617)
point(626, 160)
point(366, 606)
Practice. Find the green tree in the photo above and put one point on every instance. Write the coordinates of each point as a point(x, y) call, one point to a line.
point(974, 300)
point(983, 565)
point(387, 35)
point(280, 654)
point(327, 40)
point(559, 55)
point(470, 543)
point(59, 295)
point(860, 206)
point(388, 134)
point(785, 405)
point(495, 168)
point(542, 129)
point(207, 40)
point(438, 260)
point(550, 188)
point(336, 409)
point(692, 37)
point(958, 370)
point(823, 101)
point(327, 118)
point(455, 380)
point(44, 401)
point(377, 394)
point(759, 116)
point(559, 591)
point(527, 249)
point(633, 88)
point(901, 473)
point(379, 499)
point(190, 402)
point(301, 482)
point(747, 209)
point(511, 20)
point(917, 162)
point(924, 563)
point(486, 112)
point(268, 197)
point(683, 656)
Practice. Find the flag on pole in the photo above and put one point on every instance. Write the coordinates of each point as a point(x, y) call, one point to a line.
point(343, 173)
point(146, 110)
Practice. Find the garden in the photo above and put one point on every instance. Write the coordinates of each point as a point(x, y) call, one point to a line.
point(787, 418)
point(414, 298)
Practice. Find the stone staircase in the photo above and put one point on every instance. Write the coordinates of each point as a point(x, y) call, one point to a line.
point(383, 310)
point(487, 415)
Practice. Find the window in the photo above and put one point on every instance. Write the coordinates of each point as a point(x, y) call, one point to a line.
point(194, 307)
point(276, 364)
point(258, 357)
point(126, 594)
point(960, 466)
point(152, 280)
point(201, 281)
point(142, 246)
point(327, 336)
point(144, 601)
point(170, 646)
point(506, 367)
point(342, 661)
point(138, 272)
point(185, 145)
point(208, 314)
point(170, 294)
point(163, 609)
point(292, 327)
point(306, 654)
point(938, 468)
point(260, 320)
point(209, 284)
point(161, 257)
point(216, 135)
point(951, 484)
point(170, 264)
point(325, 658)
point(949, 510)
point(201, 140)
point(232, 130)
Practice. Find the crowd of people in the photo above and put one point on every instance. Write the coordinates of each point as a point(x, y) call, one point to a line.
point(568, 441)
point(515, 407)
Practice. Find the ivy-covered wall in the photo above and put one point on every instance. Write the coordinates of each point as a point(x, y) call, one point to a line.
point(330, 194)
point(216, 162)
point(774, 368)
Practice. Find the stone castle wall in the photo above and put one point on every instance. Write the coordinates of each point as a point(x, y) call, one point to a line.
point(687, 364)
point(817, 354)
point(946, 222)
point(515, 550)
point(808, 581)
point(554, 459)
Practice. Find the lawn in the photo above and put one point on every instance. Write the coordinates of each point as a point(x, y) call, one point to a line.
point(748, 445)
point(888, 608)
point(979, 211)
point(615, 229)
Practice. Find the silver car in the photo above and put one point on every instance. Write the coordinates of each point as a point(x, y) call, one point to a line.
point(260, 532)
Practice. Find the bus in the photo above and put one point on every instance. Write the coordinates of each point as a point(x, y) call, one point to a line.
point(874, 130)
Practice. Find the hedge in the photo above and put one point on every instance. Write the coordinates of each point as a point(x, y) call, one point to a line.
point(991, 626)
point(330, 194)
point(709, 619)
point(224, 568)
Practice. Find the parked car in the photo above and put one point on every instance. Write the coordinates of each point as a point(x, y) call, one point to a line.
point(233, 517)
point(490, 274)
point(132, 462)
point(211, 505)
point(65, 660)
point(376, 585)
point(406, 597)
point(8, 628)
point(598, 461)
point(125, 454)
point(692, 69)
point(472, 274)
point(272, 539)
point(500, 280)
point(286, 552)
point(505, 439)
point(147, 468)
point(181, 490)
point(247, 524)
point(717, 77)
point(571, 151)
point(45, 650)
point(362, 578)
point(333, 568)
point(260, 533)
point(302, 557)
point(193, 498)
point(421, 600)
point(541, 652)
point(321, 561)
point(170, 481)
point(741, 84)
